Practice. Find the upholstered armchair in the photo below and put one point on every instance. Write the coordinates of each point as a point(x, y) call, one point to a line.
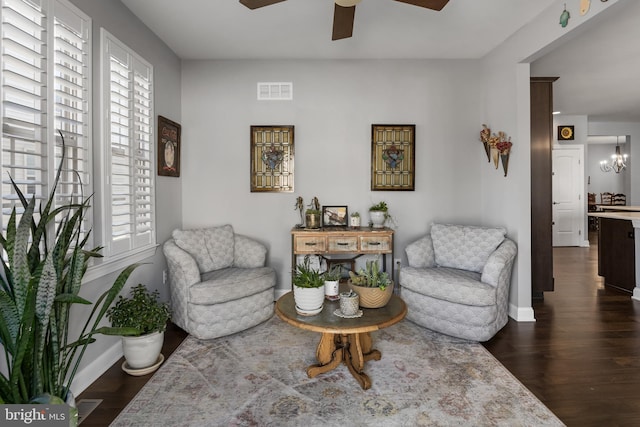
point(457, 281)
point(218, 281)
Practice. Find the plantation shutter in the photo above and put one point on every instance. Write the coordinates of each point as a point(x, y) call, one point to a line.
point(129, 99)
point(45, 87)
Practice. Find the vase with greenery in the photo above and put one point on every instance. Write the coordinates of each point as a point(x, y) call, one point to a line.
point(354, 220)
point(332, 282)
point(308, 289)
point(43, 266)
point(143, 312)
point(378, 214)
point(372, 285)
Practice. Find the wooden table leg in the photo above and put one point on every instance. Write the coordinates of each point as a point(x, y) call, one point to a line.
point(352, 349)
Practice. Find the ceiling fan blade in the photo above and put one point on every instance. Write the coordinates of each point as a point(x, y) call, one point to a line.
point(254, 4)
point(429, 4)
point(343, 22)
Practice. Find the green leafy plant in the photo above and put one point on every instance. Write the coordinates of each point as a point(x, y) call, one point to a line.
point(355, 214)
point(306, 277)
point(381, 207)
point(41, 280)
point(333, 274)
point(312, 212)
point(371, 276)
point(141, 311)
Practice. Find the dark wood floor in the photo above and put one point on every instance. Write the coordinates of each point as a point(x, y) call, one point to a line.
point(581, 357)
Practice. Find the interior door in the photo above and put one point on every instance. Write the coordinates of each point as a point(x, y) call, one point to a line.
point(567, 183)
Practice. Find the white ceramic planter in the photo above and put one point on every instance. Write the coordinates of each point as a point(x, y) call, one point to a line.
point(331, 289)
point(354, 221)
point(142, 352)
point(309, 301)
point(377, 218)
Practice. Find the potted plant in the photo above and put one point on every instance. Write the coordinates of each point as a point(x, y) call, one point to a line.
point(312, 214)
point(354, 221)
point(308, 289)
point(42, 278)
point(143, 312)
point(374, 287)
point(378, 214)
point(332, 281)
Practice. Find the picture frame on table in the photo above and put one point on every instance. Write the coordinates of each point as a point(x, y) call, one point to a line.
point(335, 216)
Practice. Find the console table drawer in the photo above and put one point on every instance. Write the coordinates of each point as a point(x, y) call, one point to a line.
point(375, 243)
point(343, 244)
point(309, 244)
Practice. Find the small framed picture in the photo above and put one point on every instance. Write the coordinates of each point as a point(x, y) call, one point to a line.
point(335, 216)
point(169, 145)
point(565, 133)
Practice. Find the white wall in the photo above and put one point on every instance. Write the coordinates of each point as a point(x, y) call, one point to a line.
point(507, 106)
point(119, 21)
point(335, 103)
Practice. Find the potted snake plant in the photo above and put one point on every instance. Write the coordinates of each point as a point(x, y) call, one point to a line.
point(308, 289)
point(41, 280)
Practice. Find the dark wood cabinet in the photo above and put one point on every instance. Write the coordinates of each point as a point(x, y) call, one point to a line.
point(616, 253)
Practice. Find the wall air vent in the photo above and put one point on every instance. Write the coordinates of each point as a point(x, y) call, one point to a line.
point(275, 91)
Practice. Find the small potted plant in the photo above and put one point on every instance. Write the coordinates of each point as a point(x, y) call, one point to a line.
point(308, 289)
point(143, 312)
point(332, 282)
point(378, 214)
point(374, 287)
point(354, 220)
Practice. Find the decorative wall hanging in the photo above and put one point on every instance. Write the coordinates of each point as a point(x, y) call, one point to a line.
point(584, 6)
point(504, 149)
point(272, 152)
point(485, 134)
point(169, 145)
point(497, 147)
point(564, 17)
point(393, 157)
point(565, 133)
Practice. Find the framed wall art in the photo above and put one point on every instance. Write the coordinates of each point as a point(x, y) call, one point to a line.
point(393, 157)
point(333, 216)
point(169, 145)
point(565, 133)
point(272, 153)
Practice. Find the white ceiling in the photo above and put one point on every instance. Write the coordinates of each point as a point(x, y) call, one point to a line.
point(590, 66)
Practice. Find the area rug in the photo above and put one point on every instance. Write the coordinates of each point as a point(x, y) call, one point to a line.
point(257, 378)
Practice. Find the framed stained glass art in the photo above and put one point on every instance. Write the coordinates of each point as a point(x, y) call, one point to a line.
point(393, 157)
point(272, 154)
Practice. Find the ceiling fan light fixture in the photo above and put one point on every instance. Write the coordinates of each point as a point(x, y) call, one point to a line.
point(347, 3)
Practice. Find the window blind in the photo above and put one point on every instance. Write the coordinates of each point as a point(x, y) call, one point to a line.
point(45, 87)
point(128, 90)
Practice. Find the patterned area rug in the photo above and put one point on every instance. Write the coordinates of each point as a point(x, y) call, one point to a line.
point(257, 378)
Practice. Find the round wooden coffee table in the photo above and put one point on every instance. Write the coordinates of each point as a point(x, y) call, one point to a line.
point(343, 340)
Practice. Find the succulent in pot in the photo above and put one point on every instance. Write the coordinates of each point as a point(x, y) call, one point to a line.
point(308, 289)
point(332, 281)
point(372, 285)
point(378, 214)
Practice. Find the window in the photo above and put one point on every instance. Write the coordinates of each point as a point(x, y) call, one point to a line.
point(129, 186)
point(45, 89)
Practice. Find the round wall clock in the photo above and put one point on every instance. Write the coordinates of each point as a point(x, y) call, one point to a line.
point(565, 132)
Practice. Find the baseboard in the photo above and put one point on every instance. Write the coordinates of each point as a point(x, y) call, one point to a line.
point(86, 376)
point(585, 244)
point(521, 314)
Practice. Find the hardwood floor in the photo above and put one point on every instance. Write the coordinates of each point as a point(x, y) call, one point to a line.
point(581, 357)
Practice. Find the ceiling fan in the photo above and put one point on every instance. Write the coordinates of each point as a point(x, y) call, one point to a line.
point(344, 12)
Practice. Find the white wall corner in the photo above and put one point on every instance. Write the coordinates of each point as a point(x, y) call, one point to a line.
point(521, 314)
point(86, 376)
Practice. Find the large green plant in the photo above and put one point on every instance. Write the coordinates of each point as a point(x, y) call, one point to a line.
point(371, 276)
point(305, 276)
point(142, 310)
point(41, 280)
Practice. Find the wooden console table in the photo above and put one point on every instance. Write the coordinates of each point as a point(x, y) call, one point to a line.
point(343, 241)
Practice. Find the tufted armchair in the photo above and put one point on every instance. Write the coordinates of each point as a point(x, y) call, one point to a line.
point(457, 281)
point(218, 282)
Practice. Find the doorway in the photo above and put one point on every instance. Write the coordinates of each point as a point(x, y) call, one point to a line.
point(568, 206)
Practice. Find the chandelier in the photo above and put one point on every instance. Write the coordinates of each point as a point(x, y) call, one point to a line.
point(618, 161)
